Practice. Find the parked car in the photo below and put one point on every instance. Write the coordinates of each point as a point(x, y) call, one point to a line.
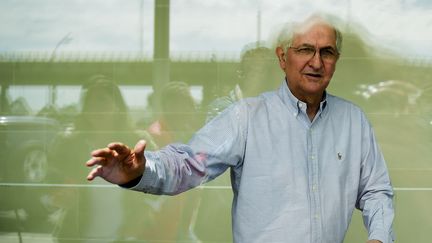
point(24, 146)
point(24, 143)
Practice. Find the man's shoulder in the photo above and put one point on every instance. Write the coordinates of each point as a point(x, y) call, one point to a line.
point(343, 109)
point(263, 100)
point(341, 103)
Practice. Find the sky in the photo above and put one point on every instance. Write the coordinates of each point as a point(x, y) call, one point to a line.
point(208, 26)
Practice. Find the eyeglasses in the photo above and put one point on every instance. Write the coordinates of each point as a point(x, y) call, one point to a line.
point(327, 54)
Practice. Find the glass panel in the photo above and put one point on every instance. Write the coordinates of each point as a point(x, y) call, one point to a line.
point(77, 76)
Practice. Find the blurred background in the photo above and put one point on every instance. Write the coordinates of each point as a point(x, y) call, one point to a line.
point(76, 75)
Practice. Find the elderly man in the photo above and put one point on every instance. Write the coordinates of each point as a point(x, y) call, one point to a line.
point(301, 159)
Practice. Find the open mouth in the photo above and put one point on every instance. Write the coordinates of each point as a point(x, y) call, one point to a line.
point(314, 75)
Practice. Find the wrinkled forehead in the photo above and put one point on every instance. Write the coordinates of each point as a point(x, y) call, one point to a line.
point(315, 31)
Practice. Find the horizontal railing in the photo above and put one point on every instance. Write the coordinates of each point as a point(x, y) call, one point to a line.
point(115, 186)
point(110, 56)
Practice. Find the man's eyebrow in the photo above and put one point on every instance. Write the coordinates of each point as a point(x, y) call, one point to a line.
point(328, 47)
point(306, 45)
point(312, 46)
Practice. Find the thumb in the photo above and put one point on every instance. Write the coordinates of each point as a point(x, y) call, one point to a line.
point(139, 151)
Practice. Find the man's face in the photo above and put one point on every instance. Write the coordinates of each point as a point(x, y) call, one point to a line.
point(309, 73)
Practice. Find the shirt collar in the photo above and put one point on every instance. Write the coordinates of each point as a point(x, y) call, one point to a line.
point(323, 104)
point(295, 105)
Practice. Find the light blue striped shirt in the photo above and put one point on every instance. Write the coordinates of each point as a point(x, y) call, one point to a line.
point(293, 180)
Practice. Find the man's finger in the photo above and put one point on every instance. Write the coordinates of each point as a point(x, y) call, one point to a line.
point(97, 161)
point(105, 152)
point(120, 148)
point(94, 173)
point(140, 147)
point(139, 151)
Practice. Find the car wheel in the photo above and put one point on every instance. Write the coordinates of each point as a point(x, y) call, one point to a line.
point(35, 165)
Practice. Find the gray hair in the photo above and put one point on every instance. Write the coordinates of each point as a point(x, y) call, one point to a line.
point(286, 35)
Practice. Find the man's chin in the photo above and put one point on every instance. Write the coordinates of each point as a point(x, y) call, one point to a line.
point(314, 88)
point(313, 79)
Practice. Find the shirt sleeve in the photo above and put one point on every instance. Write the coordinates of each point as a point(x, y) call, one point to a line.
point(375, 198)
point(217, 146)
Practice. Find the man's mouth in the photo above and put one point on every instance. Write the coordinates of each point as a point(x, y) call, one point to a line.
point(314, 75)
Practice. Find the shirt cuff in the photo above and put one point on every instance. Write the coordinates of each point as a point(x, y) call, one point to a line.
point(131, 183)
point(381, 236)
point(145, 182)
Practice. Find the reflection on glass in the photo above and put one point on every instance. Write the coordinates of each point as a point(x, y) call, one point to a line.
point(44, 142)
point(178, 118)
point(103, 117)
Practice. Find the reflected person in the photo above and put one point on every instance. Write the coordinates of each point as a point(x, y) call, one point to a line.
point(300, 158)
point(178, 117)
point(175, 123)
point(258, 72)
point(104, 116)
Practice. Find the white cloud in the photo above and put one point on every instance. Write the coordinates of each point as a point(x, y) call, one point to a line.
point(95, 25)
point(394, 22)
point(196, 25)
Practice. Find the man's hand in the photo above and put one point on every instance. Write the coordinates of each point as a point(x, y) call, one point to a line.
point(117, 163)
point(373, 241)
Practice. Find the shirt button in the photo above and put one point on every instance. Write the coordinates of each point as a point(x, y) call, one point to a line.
point(312, 157)
point(314, 188)
point(317, 216)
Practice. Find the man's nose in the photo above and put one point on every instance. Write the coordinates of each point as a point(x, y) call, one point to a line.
point(316, 62)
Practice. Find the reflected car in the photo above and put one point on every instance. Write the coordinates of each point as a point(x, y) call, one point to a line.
point(24, 146)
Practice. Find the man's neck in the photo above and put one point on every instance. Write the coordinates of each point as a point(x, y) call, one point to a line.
point(312, 110)
point(313, 102)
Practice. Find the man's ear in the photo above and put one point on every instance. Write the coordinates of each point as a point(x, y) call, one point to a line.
point(280, 53)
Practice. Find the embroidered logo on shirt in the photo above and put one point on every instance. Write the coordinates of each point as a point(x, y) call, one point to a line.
point(339, 155)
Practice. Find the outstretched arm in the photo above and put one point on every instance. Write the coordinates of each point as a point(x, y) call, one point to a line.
point(117, 163)
point(177, 167)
